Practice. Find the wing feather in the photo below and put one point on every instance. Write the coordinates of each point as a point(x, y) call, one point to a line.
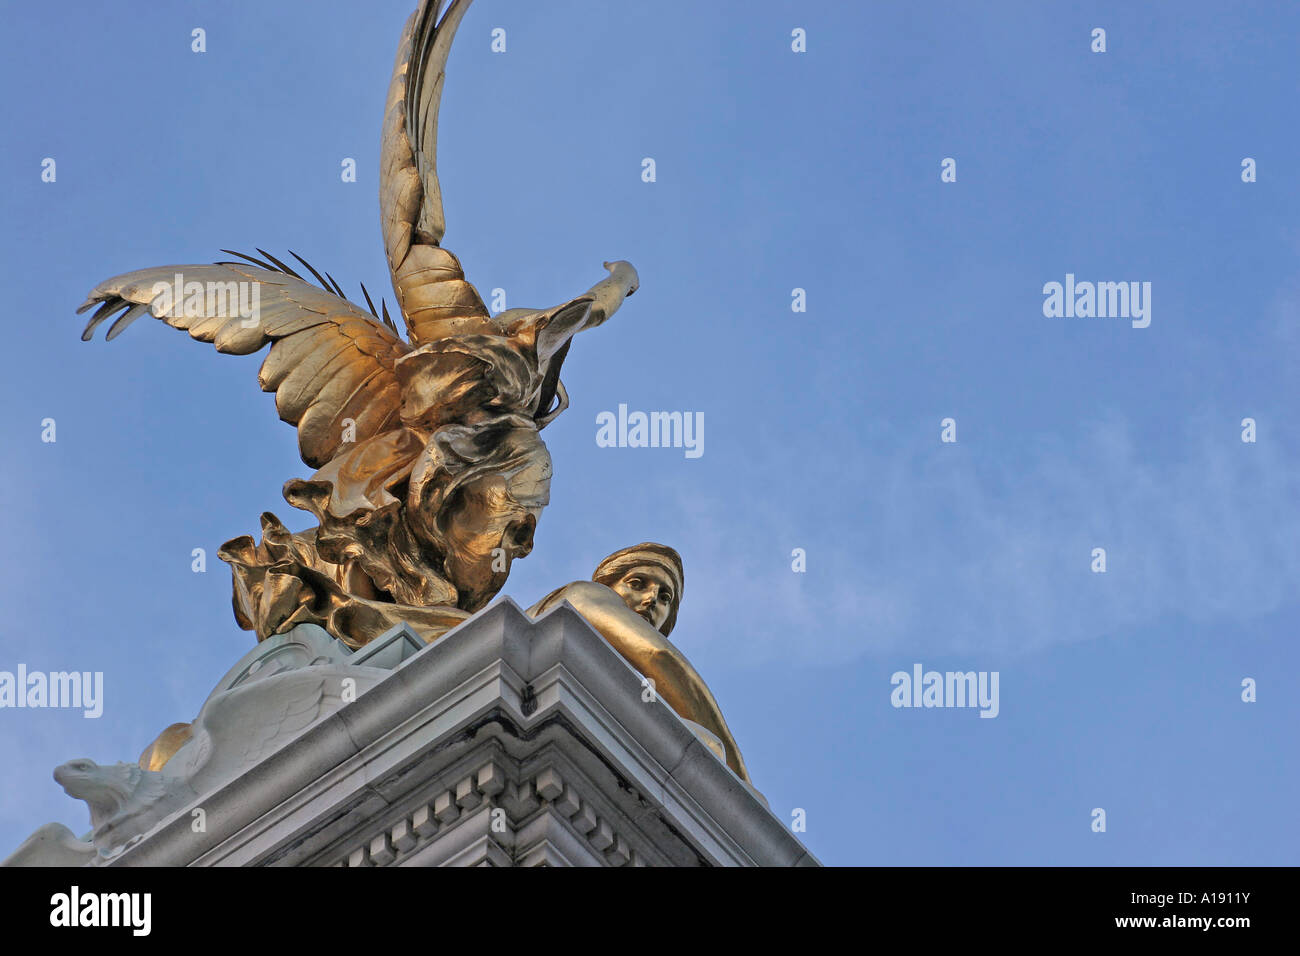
point(330, 360)
point(312, 375)
point(340, 400)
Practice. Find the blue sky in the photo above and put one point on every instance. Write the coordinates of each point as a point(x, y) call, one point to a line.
point(775, 170)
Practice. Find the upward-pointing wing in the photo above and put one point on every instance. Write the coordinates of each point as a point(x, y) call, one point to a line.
point(426, 71)
point(329, 360)
point(435, 299)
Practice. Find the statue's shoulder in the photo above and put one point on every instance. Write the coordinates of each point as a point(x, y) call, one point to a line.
point(575, 592)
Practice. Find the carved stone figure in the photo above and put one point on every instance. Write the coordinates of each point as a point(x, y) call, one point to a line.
point(124, 800)
point(276, 691)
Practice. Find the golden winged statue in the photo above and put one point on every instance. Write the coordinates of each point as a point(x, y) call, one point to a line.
point(430, 471)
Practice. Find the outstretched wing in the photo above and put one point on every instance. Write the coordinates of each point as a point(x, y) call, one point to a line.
point(435, 299)
point(329, 360)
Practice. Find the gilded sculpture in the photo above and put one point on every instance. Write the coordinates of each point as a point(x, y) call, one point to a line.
point(430, 471)
point(647, 580)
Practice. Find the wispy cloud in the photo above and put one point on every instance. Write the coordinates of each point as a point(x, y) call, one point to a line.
point(971, 557)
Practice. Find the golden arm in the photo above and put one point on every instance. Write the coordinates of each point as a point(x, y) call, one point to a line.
point(654, 656)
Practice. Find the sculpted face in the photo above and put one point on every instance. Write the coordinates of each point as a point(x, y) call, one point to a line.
point(488, 530)
point(649, 591)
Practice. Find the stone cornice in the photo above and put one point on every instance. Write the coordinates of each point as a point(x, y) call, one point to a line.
point(540, 721)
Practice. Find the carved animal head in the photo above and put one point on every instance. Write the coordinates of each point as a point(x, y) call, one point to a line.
point(111, 792)
point(105, 789)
